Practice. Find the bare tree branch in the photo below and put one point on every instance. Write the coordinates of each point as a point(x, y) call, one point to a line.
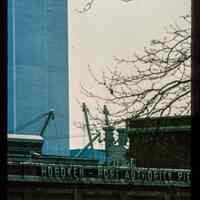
point(86, 7)
point(90, 3)
point(157, 83)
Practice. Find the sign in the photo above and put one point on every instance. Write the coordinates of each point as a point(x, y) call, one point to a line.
point(117, 174)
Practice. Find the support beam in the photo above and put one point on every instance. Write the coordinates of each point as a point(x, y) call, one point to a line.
point(51, 115)
point(89, 144)
point(85, 111)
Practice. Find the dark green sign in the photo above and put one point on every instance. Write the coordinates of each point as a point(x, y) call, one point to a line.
point(116, 174)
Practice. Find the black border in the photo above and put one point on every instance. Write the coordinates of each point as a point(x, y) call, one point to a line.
point(195, 93)
point(3, 96)
point(195, 90)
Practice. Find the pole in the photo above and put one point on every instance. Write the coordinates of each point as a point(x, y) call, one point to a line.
point(85, 110)
point(83, 150)
point(51, 115)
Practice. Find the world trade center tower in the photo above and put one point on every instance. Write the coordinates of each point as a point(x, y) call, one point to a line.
point(38, 72)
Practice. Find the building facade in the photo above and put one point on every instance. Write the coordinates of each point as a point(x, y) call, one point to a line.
point(38, 71)
point(32, 175)
point(163, 142)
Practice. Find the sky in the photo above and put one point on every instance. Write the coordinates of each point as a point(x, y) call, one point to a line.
point(110, 28)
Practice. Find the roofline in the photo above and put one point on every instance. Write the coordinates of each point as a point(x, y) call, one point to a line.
point(167, 129)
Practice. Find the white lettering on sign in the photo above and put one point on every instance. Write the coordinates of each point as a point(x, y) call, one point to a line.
point(109, 173)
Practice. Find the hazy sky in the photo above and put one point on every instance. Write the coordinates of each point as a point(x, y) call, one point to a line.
point(111, 28)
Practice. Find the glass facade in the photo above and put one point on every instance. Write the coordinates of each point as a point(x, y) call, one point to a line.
point(38, 71)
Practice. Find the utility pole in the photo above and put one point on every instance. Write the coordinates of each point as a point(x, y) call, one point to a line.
point(106, 113)
point(85, 111)
point(109, 140)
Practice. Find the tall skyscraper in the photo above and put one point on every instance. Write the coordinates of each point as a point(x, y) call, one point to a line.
point(38, 71)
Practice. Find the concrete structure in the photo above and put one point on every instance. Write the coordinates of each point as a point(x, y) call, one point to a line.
point(38, 71)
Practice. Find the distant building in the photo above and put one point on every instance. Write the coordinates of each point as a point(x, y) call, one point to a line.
point(38, 71)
